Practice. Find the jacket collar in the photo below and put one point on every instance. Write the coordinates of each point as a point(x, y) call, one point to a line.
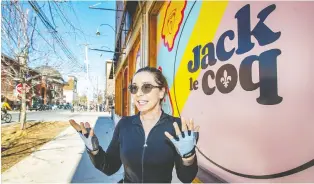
point(137, 119)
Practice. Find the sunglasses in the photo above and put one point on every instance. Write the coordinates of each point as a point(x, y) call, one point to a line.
point(146, 88)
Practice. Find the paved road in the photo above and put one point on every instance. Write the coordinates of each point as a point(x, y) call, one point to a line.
point(56, 115)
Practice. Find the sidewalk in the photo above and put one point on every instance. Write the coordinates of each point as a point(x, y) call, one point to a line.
point(64, 160)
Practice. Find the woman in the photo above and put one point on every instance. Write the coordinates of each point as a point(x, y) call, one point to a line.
point(149, 143)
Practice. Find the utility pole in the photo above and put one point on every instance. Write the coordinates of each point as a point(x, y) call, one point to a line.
point(86, 61)
point(87, 71)
point(97, 95)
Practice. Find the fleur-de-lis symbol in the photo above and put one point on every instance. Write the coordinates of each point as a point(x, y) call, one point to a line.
point(225, 79)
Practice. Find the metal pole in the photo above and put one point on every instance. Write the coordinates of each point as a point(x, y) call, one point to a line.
point(87, 73)
point(97, 95)
point(108, 9)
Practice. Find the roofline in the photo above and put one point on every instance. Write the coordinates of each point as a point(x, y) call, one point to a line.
point(8, 56)
point(72, 76)
point(17, 63)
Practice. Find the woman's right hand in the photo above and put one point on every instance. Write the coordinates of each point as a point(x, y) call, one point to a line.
point(87, 135)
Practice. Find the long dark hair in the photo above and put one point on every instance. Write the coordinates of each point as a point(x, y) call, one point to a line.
point(160, 79)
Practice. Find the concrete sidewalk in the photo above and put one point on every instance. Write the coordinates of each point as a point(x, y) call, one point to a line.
point(64, 160)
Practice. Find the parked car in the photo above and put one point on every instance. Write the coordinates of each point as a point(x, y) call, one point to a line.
point(36, 107)
point(68, 106)
point(54, 107)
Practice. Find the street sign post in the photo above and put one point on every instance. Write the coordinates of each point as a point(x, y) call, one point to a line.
point(19, 88)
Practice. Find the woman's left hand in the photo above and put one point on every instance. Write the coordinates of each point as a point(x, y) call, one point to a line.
point(187, 139)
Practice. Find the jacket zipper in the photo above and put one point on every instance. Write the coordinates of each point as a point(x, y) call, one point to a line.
point(144, 147)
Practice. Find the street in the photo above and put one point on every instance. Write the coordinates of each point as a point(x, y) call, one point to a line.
point(51, 115)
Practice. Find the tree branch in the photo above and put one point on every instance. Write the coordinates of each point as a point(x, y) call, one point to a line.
point(33, 77)
point(10, 65)
point(31, 43)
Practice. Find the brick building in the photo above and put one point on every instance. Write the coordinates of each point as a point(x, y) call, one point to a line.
point(50, 90)
point(46, 86)
point(9, 71)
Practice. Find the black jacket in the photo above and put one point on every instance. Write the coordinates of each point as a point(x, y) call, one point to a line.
point(152, 161)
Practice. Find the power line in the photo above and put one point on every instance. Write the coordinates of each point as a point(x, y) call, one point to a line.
point(53, 21)
point(74, 12)
point(30, 24)
point(53, 32)
point(12, 30)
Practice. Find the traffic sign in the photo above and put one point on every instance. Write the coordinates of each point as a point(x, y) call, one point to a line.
point(19, 88)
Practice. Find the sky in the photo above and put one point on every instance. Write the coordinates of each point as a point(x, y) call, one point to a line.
point(89, 21)
point(85, 22)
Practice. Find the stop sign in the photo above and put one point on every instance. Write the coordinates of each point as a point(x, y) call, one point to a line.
point(19, 88)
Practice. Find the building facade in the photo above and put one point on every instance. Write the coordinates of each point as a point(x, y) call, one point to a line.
point(10, 72)
point(135, 47)
point(70, 90)
point(110, 85)
point(50, 90)
point(241, 70)
point(45, 85)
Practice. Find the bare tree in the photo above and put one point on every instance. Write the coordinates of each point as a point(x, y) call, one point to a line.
point(22, 40)
point(17, 37)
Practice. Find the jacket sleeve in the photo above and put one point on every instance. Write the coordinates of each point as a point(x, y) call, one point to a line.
point(186, 174)
point(109, 162)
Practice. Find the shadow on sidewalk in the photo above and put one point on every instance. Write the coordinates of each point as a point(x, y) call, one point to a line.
point(85, 171)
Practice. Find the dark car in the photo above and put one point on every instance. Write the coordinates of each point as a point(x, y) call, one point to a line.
point(36, 107)
point(68, 106)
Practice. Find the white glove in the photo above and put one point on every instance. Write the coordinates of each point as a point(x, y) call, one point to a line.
point(87, 135)
point(186, 139)
point(91, 141)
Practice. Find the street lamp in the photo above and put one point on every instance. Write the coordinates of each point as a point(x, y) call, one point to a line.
point(98, 33)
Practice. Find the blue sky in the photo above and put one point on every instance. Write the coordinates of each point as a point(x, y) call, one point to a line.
point(89, 21)
point(86, 21)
